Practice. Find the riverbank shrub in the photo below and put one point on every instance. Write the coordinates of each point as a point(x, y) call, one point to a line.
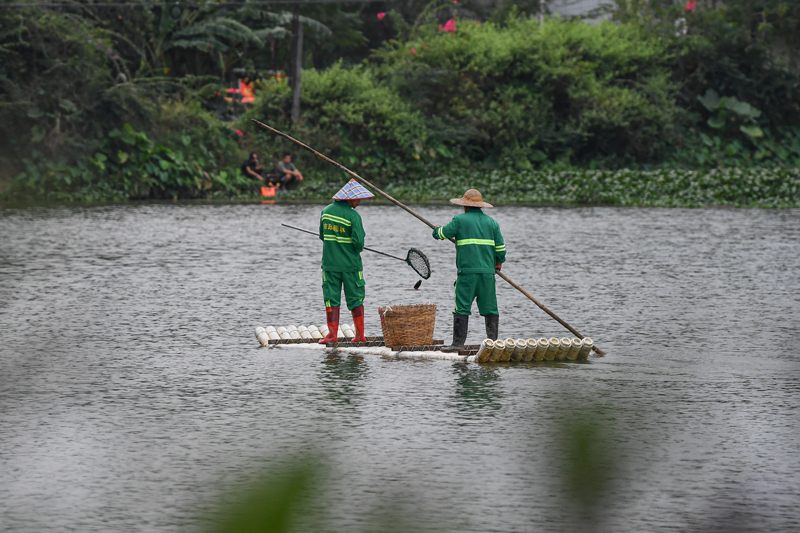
point(524, 94)
point(738, 75)
point(61, 88)
point(185, 126)
point(129, 166)
point(66, 92)
point(348, 116)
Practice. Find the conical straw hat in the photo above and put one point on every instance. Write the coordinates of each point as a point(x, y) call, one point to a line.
point(471, 198)
point(353, 190)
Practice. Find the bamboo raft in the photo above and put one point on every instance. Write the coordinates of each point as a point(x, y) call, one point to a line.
point(500, 351)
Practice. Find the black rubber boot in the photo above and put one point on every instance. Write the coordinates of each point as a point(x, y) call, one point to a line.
point(492, 326)
point(460, 329)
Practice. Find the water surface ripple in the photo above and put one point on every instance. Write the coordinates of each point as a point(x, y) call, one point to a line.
point(133, 393)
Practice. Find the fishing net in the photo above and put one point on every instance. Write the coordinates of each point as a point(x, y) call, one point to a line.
point(419, 263)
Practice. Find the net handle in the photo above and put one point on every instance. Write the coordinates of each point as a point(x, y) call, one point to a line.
point(384, 253)
point(368, 249)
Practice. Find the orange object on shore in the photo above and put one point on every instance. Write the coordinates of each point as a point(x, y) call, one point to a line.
point(245, 90)
point(268, 191)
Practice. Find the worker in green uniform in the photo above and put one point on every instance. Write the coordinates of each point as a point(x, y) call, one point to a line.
point(480, 251)
point(342, 235)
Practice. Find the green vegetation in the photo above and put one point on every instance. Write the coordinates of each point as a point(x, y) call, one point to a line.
point(660, 188)
point(120, 103)
point(349, 116)
point(521, 95)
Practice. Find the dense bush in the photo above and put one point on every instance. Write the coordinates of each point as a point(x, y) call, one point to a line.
point(524, 93)
point(349, 117)
point(195, 132)
point(64, 96)
point(728, 57)
point(60, 88)
point(130, 166)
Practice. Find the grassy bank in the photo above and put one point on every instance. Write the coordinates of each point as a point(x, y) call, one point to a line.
point(776, 188)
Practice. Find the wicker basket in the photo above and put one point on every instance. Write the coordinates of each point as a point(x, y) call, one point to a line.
point(408, 325)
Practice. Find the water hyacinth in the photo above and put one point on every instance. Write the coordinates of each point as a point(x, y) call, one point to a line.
point(758, 187)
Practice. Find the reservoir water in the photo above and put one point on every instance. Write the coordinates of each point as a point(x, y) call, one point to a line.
point(134, 396)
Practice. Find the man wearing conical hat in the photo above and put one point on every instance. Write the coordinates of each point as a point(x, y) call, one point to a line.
point(342, 235)
point(480, 251)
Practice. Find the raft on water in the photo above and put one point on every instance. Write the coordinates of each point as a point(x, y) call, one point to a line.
point(489, 351)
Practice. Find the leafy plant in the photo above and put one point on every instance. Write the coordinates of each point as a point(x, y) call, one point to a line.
point(727, 110)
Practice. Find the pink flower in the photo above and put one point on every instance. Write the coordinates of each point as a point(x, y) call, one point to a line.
point(381, 15)
point(239, 133)
point(691, 5)
point(413, 50)
point(449, 26)
point(455, 1)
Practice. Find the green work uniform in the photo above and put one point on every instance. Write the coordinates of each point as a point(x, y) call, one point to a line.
point(342, 235)
point(479, 246)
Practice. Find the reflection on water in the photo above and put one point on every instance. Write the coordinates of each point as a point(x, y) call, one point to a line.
point(477, 388)
point(342, 375)
point(132, 391)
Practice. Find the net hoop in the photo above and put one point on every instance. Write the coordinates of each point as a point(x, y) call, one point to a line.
point(419, 263)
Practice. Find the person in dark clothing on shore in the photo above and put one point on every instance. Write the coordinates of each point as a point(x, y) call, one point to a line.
point(251, 168)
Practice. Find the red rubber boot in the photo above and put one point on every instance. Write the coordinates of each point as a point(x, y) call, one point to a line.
point(358, 323)
point(333, 325)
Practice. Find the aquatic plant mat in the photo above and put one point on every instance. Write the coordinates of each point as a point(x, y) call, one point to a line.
point(740, 187)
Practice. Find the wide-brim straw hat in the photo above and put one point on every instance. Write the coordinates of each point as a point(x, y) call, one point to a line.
point(471, 198)
point(353, 190)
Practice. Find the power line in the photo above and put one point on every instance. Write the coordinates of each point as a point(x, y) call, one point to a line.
point(187, 4)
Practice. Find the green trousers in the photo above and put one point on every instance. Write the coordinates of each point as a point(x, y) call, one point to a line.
point(354, 288)
point(480, 286)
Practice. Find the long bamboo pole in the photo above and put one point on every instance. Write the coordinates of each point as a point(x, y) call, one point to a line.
point(419, 217)
point(546, 310)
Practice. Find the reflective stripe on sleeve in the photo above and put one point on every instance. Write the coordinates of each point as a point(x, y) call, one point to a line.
point(501, 248)
point(441, 233)
point(340, 220)
point(334, 238)
point(482, 242)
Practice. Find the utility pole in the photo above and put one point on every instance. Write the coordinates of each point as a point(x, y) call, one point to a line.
point(541, 11)
point(297, 61)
